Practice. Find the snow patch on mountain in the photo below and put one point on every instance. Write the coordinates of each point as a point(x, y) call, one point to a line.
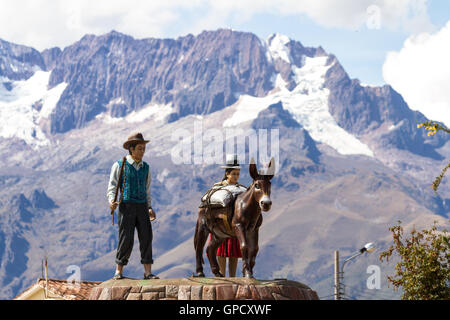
point(279, 82)
point(396, 126)
point(276, 48)
point(119, 100)
point(366, 85)
point(308, 104)
point(24, 104)
point(158, 112)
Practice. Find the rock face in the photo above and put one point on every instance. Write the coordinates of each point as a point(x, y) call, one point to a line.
point(276, 117)
point(118, 72)
point(15, 218)
point(360, 110)
point(202, 289)
point(19, 62)
point(50, 57)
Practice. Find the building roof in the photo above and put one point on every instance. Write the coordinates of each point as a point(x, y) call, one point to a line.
point(61, 289)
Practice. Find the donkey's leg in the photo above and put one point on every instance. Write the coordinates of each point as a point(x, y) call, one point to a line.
point(201, 235)
point(212, 253)
point(242, 236)
point(252, 249)
point(253, 244)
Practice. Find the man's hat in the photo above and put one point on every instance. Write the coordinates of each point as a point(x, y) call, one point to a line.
point(231, 162)
point(134, 139)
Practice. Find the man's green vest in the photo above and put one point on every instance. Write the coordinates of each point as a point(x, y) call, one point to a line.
point(135, 183)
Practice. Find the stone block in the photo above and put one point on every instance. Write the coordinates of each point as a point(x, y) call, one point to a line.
point(153, 289)
point(226, 292)
point(150, 296)
point(310, 294)
point(95, 293)
point(119, 293)
point(105, 295)
point(314, 294)
point(247, 292)
point(184, 293)
point(134, 296)
point(293, 293)
point(135, 289)
point(277, 296)
point(209, 293)
point(172, 291)
point(265, 292)
point(196, 292)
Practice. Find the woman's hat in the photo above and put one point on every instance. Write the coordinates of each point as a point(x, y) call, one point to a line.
point(231, 162)
point(133, 139)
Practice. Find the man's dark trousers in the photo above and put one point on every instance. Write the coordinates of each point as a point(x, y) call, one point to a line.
point(131, 216)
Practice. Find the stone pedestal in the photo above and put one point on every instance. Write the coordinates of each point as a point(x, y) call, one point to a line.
point(202, 289)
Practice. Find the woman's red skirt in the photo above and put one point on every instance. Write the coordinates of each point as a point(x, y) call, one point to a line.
point(230, 247)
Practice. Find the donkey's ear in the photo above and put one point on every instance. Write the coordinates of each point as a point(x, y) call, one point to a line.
point(252, 169)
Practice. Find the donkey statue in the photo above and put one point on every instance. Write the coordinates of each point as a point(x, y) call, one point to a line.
point(245, 218)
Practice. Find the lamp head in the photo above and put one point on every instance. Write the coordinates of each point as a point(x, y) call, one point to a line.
point(369, 247)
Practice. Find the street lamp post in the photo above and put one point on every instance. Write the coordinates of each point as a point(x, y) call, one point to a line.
point(339, 275)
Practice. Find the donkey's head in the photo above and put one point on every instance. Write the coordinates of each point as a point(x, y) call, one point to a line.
point(261, 184)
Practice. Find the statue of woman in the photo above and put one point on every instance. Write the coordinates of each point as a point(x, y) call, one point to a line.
point(230, 247)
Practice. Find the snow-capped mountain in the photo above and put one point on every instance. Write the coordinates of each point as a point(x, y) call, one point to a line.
point(351, 161)
point(26, 106)
point(114, 75)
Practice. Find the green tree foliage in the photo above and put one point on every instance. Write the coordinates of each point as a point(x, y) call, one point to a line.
point(423, 272)
point(434, 127)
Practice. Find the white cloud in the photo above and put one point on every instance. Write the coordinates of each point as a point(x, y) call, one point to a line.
point(409, 16)
point(420, 71)
point(46, 23)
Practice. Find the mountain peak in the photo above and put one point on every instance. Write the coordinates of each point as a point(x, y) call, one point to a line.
point(19, 62)
point(278, 49)
point(116, 34)
point(278, 37)
point(39, 199)
point(226, 34)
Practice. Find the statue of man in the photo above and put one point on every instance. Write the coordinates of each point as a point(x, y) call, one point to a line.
point(135, 208)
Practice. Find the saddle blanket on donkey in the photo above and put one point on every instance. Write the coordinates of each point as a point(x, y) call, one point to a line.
point(219, 203)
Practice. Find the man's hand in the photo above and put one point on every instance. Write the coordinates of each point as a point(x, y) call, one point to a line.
point(151, 214)
point(113, 205)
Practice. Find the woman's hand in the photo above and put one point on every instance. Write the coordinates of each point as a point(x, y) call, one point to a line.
point(151, 214)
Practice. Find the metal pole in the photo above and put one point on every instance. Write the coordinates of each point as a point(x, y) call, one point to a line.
point(46, 279)
point(341, 282)
point(337, 282)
